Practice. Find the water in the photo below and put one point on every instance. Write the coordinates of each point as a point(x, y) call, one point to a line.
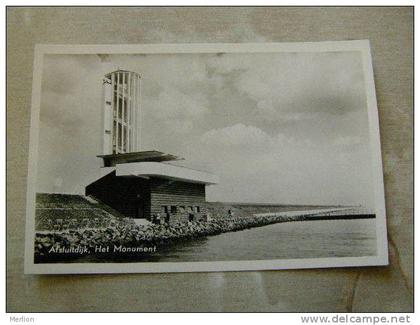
point(299, 239)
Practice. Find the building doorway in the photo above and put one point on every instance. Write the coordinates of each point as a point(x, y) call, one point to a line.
point(140, 213)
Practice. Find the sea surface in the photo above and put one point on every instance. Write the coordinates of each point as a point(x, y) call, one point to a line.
point(288, 240)
point(298, 239)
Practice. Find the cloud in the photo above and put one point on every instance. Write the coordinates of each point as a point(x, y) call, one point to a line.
point(172, 103)
point(173, 112)
point(182, 72)
point(255, 166)
point(300, 83)
point(236, 135)
point(268, 110)
point(61, 110)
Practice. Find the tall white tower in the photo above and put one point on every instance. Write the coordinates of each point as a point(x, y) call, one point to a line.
point(121, 112)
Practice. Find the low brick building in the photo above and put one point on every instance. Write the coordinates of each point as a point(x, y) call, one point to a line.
point(144, 185)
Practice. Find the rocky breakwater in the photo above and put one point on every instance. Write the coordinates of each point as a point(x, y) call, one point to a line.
point(128, 234)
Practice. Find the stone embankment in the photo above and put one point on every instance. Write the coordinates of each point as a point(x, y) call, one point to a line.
point(125, 232)
point(130, 234)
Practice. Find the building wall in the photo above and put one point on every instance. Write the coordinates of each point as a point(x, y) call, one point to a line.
point(181, 200)
point(184, 196)
point(127, 195)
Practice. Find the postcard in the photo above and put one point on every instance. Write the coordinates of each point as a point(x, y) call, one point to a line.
point(204, 157)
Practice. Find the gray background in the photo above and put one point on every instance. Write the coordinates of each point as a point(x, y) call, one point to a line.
point(372, 289)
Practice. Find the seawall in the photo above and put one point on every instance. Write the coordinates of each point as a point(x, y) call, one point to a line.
point(131, 235)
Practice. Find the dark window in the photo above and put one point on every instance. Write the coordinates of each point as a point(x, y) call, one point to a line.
point(191, 217)
point(173, 209)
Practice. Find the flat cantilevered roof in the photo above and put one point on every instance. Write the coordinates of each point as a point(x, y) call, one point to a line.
point(164, 170)
point(140, 156)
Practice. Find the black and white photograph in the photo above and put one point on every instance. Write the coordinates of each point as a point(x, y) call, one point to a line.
point(204, 157)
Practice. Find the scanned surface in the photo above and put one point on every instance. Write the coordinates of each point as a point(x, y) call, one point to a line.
point(322, 290)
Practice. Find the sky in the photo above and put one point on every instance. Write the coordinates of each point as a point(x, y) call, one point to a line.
point(286, 128)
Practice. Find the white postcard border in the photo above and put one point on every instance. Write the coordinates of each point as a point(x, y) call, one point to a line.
point(361, 46)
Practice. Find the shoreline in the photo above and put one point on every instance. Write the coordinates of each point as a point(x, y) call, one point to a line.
point(52, 246)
